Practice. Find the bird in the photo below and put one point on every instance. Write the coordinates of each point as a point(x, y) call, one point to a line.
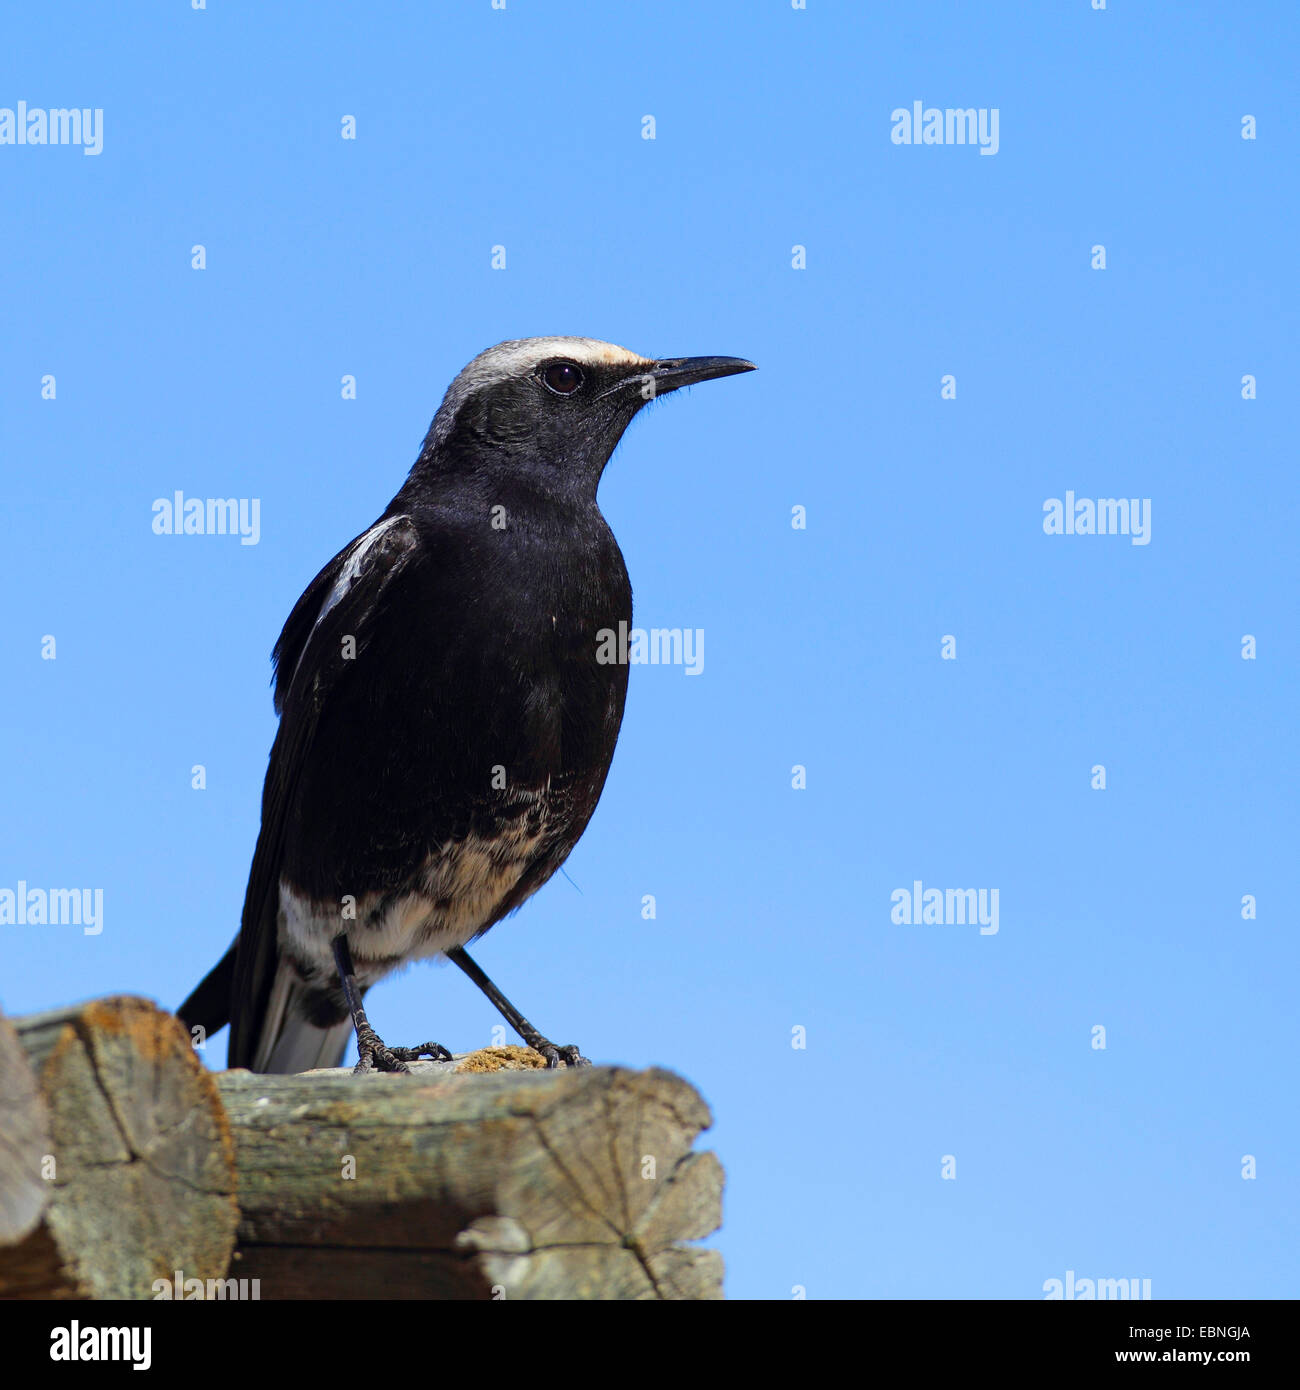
point(447, 709)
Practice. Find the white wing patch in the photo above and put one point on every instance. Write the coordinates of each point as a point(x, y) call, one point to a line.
point(352, 566)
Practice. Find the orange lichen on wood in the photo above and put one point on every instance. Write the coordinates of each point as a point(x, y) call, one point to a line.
point(508, 1058)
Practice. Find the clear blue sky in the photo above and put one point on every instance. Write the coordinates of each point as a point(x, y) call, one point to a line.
point(523, 128)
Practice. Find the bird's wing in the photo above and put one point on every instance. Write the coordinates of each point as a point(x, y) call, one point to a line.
point(342, 601)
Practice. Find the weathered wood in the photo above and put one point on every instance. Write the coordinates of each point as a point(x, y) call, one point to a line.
point(24, 1140)
point(484, 1177)
point(136, 1163)
point(515, 1184)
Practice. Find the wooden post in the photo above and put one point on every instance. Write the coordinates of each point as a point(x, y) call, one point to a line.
point(486, 1177)
point(465, 1182)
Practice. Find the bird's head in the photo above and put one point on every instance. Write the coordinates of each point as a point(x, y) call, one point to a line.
point(556, 407)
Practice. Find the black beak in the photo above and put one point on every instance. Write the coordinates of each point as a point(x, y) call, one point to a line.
point(673, 372)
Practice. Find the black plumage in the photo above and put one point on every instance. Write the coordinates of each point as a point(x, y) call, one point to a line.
point(446, 726)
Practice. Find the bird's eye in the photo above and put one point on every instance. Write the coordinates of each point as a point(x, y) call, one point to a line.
point(563, 378)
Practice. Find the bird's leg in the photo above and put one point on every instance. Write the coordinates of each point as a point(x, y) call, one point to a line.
point(568, 1054)
point(374, 1054)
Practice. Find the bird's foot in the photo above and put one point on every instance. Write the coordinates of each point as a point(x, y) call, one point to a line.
point(568, 1054)
point(373, 1054)
point(435, 1052)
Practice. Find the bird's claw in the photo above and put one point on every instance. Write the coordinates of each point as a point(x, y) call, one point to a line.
point(568, 1054)
point(435, 1052)
point(373, 1054)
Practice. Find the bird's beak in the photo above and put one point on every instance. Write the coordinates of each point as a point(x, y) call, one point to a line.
point(673, 372)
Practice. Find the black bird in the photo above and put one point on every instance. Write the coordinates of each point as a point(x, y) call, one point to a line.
point(446, 722)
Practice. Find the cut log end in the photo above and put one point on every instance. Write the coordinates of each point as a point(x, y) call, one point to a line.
point(138, 1170)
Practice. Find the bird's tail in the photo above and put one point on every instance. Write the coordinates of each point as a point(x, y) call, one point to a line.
point(286, 1041)
point(208, 1006)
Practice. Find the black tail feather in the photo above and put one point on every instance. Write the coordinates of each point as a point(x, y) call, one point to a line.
point(208, 1006)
